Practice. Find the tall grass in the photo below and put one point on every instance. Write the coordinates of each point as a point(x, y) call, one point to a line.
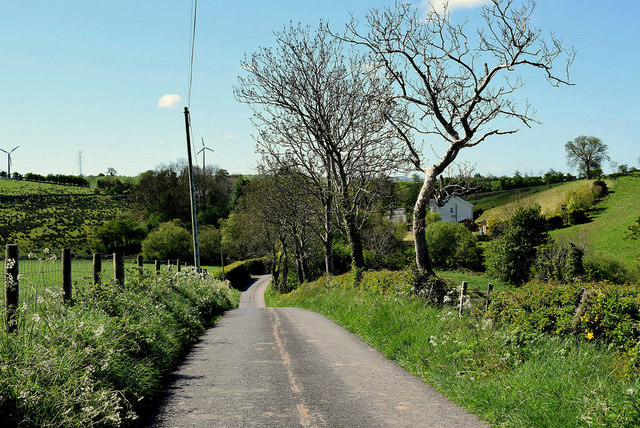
point(510, 378)
point(100, 361)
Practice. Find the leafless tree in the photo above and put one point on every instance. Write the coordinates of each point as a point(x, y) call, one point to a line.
point(459, 84)
point(319, 110)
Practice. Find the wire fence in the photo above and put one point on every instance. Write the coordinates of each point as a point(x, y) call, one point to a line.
point(35, 278)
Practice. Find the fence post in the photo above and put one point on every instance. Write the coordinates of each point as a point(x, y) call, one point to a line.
point(97, 268)
point(11, 288)
point(118, 268)
point(463, 292)
point(178, 265)
point(157, 262)
point(66, 275)
point(488, 298)
point(140, 263)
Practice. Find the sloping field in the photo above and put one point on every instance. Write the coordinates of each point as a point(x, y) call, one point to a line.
point(35, 215)
point(549, 199)
point(607, 234)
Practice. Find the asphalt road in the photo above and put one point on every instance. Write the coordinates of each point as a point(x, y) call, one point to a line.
point(288, 367)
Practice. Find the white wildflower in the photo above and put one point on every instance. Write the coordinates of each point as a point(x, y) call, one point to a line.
point(10, 263)
point(98, 331)
point(35, 317)
point(630, 391)
point(30, 255)
point(45, 250)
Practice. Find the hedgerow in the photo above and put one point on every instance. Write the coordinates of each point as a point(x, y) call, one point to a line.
point(100, 361)
point(593, 311)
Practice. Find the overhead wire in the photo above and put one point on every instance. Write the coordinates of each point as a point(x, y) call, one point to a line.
point(192, 33)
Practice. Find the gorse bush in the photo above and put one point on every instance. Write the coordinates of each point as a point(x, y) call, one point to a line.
point(100, 361)
point(590, 310)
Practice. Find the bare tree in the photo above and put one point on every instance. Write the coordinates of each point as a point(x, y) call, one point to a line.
point(318, 110)
point(458, 84)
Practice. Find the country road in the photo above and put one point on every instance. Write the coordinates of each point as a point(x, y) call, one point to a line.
point(288, 367)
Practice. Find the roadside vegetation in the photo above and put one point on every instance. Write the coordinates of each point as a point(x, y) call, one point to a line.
point(100, 361)
point(509, 373)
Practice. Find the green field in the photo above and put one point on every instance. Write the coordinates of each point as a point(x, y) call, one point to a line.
point(36, 215)
point(607, 234)
point(549, 198)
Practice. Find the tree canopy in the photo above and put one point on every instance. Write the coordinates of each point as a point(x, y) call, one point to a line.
point(586, 154)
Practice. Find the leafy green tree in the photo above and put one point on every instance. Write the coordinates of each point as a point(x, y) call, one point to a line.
point(168, 241)
point(210, 241)
point(121, 234)
point(452, 245)
point(586, 154)
point(510, 258)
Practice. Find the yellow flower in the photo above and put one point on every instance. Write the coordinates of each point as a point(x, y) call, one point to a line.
point(589, 335)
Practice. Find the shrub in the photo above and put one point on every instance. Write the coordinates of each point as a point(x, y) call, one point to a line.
point(120, 234)
point(210, 239)
point(604, 268)
point(554, 221)
point(167, 241)
point(452, 245)
point(558, 262)
point(590, 310)
point(236, 273)
point(510, 258)
point(601, 188)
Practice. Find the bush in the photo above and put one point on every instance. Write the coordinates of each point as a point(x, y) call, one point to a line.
point(604, 268)
point(237, 273)
point(209, 241)
point(510, 258)
point(558, 262)
point(590, 310)
point(167, 241)
point(554, 221)
point(451, 245)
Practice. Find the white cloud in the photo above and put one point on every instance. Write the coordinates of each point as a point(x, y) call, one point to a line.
point(169, 101)
point(161, 143)
point(231, 136)
point(438, 5)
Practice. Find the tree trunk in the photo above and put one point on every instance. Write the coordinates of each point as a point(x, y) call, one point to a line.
point(328, 233)
point(299, 261)
point(285, 268)
point(355, 241)
point(419, 215)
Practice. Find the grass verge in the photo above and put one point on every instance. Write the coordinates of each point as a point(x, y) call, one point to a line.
point(509, 378)
point(101, 361)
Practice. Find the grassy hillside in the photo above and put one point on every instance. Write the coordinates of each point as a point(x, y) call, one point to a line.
point(607, 235)
point(35, 215)
point(498, 206)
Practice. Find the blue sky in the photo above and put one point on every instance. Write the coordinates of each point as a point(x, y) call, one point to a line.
point(88, 76)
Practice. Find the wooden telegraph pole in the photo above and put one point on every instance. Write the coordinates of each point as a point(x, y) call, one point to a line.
point(192, 189)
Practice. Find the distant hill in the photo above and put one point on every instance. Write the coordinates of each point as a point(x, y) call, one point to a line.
point(36, 215)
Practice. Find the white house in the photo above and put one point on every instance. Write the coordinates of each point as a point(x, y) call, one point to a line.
point(456, 209)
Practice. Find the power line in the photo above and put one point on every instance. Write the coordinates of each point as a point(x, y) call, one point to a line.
point(194, 10)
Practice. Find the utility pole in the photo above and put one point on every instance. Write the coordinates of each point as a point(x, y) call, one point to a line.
point(192, 189)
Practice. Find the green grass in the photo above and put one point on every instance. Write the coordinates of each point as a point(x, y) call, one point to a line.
point(607, 235)
point(549, 198)
point(508, 378)
point(36, 216)
point(100, 362)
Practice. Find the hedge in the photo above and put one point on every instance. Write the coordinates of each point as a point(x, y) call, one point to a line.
point(239, 273)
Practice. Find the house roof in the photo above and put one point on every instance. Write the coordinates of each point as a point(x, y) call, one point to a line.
point(432, 202)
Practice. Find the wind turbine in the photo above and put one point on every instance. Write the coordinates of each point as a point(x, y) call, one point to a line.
point(203, 150)
point(9, 160)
